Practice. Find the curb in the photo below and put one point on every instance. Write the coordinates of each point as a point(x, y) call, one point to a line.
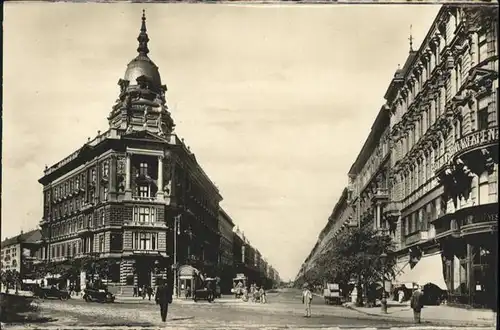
point(448, 324)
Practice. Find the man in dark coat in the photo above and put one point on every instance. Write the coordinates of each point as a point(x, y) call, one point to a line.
point(416, 304)
point(163, 297)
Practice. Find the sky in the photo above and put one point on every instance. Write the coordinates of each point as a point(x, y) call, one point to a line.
point(275, 101)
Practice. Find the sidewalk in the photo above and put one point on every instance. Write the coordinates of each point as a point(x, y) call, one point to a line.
point(442, 314)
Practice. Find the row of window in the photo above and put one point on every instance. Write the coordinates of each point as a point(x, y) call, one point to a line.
point(67, 249)
point(75, 224)
point(420, 219)
point(145, 241)
point(458, 76)
point(73, 184)
point(372, 164)
point(9, 251)
point(424, 170)
point(144, 214)
point(434, 59)
point(407, 142)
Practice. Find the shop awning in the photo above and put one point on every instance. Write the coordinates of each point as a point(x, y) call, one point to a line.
point(428, 270)
point(401, 271)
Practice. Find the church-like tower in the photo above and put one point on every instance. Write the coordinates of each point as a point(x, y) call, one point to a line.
point(141, 104)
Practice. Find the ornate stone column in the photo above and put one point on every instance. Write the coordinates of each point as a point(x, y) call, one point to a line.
point(377, 220)
point(128, 191)
point(160, 193)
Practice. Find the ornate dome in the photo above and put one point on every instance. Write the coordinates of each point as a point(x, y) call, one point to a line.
point(142, 64)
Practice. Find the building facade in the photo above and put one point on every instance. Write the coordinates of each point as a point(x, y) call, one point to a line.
point(134, 195)
point(20, 252)
point(340, 217)
point(226, 257)
point(444, 132)
point(428, 173)
point(247, 260)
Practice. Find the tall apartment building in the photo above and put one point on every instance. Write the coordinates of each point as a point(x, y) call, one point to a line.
point(131, 192)
point(428, 173)
point(444, 160)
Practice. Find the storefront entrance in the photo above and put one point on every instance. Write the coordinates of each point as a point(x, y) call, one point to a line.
point(143, 270)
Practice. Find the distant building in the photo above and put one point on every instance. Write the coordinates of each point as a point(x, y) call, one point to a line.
point(340, 218)
point(226, 257)
point(20, 252)
point(248, 261)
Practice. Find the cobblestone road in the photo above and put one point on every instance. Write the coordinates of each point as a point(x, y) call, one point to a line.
point(284, 311)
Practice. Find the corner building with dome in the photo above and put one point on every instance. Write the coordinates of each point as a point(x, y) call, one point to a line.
point(127, 195)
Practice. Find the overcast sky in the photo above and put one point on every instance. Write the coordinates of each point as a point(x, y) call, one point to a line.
point(275, 101)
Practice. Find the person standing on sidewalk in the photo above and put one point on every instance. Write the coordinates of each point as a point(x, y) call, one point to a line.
point(416, 303)
point(306, 299)
point(163, 297)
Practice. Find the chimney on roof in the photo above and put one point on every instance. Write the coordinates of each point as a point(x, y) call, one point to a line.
point(21, 231)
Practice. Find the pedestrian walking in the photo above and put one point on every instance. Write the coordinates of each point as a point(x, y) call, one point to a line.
point(307, 299)
point(150, 292)
point(401, 295)
point(163, 297)
point(262, 296)
point(416, 303)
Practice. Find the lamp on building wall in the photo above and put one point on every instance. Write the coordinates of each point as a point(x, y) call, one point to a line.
point(383, 301)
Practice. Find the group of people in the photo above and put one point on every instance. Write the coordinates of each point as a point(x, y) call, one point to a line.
point(258, 294)
point(416, 301)
point(254, 293)
point(143, 291)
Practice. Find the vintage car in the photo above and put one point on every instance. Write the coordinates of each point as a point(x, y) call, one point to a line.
point(332, 294)
point(50, 292)
point(98, 295)
point(207, 291)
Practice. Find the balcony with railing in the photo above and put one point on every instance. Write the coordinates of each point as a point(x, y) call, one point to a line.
point(381, 194)
point(143, 198)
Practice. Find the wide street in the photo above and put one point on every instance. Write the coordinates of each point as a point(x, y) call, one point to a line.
point(283, 311)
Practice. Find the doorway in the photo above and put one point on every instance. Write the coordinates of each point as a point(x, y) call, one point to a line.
point(143, 269)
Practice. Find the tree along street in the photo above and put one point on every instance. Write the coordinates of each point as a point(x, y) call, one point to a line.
point(354, 257)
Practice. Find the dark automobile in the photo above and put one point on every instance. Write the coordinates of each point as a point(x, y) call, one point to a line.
point(203, 294)
point(207, 292)
point(50, 292)
point(98, 295)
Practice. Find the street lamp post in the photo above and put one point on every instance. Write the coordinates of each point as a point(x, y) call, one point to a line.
point(176, 232)
point(383, 301)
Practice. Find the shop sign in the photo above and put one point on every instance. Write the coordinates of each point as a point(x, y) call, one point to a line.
point(475, 139)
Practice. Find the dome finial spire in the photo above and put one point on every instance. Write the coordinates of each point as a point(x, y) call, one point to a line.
point(143, 36)
point(411, 40)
